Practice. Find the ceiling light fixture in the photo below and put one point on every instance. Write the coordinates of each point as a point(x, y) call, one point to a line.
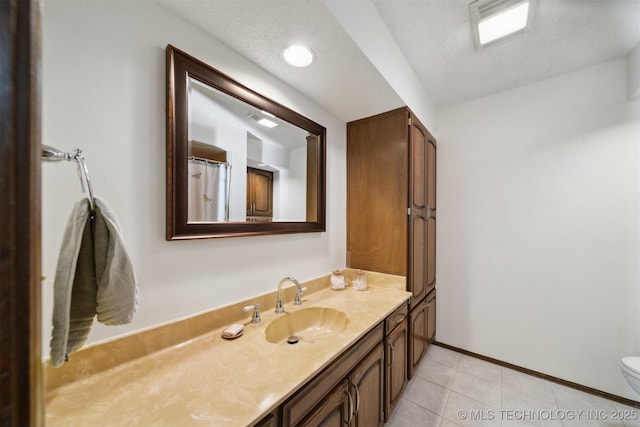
point(298, 56)
point(268, 123)
point(493, 20)
point(264, 122)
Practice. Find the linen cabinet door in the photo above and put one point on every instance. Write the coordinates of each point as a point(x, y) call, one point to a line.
point(431, 216)
point(430, 256)
point(431, 172)
point(377, 192)
point(418, 211)
point(336, 410)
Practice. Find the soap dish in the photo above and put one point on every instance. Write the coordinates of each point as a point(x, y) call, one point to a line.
point(232, 332)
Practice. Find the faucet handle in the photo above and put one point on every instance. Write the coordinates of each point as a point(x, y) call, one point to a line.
point(255, 317)
point(299, 292)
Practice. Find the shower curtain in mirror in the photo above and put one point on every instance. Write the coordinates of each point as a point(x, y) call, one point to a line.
point(209, 185)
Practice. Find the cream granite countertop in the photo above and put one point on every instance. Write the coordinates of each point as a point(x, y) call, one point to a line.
point(210, 381)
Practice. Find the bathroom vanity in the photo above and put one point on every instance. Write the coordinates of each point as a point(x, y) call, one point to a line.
point(185, 373)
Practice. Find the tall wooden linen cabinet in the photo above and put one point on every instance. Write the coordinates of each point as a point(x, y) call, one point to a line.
point(391, 212)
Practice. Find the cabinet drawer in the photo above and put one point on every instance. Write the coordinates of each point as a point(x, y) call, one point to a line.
point(396, 318)
point(296, 408)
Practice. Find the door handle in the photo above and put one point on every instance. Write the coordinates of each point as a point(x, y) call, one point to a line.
point(392, 353)
point(400, 317)
point(357, 398)
point(350, 408)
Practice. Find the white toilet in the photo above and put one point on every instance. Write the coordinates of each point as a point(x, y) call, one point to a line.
point(631, 369)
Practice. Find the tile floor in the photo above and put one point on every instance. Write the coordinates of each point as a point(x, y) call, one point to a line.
point(451, 389)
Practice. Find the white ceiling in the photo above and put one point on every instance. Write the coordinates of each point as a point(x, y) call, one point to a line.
point(433, 35)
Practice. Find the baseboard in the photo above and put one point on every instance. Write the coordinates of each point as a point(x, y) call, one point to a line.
point(556, 380)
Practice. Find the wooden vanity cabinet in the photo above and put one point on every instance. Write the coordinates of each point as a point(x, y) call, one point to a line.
point(270, 420)
point(422, 330)
point(391, 201)
point(334, 411)
point(348, 392)
point(367, 381)
point(356, 401)
point(396, 346)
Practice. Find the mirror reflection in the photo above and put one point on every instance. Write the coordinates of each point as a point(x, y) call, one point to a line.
point(244, 164)
point(238, 163)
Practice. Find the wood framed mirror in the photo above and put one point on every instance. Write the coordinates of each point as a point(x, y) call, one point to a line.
point(238, 163)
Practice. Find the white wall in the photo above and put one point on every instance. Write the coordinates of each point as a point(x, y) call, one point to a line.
point(538, 227)
point(104, 91)
point(213, 125)
point(362, 21)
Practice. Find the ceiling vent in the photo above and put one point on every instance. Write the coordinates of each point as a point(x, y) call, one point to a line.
point(494, 20)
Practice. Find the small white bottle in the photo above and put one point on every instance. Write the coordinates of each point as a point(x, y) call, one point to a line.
point(337, 280)
point(360, 281)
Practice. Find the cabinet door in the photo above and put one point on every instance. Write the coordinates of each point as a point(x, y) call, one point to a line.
point(419, 212)
point(430, 305)
point(336, 410)
point(417, 281)
point(430, 269)
point(396, 367)
point(431, 173)
point(422, 331)
point(377, 192)
point(367, 385)
point(259, 193)
point(417, 337)
point(431, 216)
point(271, 420)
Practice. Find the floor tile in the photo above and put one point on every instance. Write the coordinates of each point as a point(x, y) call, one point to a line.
point(522, 406)
point(408, 414)
point(630, 416)
point(443, 356)
point(569, 398)
point(480, 368)
point(427, 394)
point(535, 388)
point(487, 392)
point(448, 423)
point(450, 389)
point(466, 411)
point(437, 373)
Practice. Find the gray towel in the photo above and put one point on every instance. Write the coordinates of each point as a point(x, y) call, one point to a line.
point(94, 276)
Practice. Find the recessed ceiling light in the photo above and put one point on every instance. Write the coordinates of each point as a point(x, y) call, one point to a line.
point(298, 55)
point(493, 20)
point(268, 123)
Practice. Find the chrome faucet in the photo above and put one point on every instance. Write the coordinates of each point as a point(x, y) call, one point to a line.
point(299, 291)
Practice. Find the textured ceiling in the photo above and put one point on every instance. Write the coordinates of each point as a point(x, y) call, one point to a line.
point(434, 36)
point(341, 79)
point(565, 35)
